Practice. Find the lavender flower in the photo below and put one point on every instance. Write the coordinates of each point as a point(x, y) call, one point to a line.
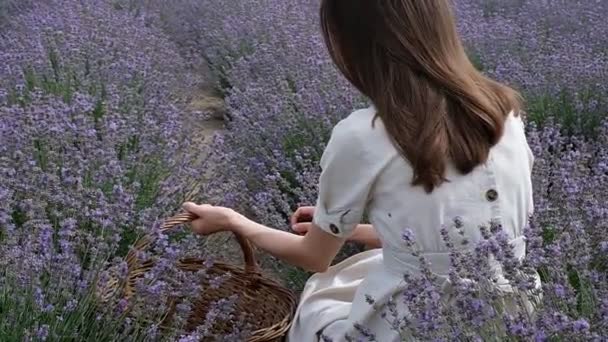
point(93, 133)
point(43, 332)
point(95, 149)
point(283, 95)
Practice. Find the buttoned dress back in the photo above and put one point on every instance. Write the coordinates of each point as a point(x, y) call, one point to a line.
point(363, 172)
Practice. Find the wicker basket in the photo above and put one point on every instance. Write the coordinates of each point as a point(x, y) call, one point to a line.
point(269, 306)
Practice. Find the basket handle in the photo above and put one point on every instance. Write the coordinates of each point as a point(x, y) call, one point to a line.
point(251, 264)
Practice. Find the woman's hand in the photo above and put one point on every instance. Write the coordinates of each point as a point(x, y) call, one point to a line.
point(313, 252)
point(301, 220)
point(210, 219)
point(301, 223)
point(364, 234)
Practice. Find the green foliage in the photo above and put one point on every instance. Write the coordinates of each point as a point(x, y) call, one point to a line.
point(296, 278)
point(565, 108)
point(18, 217)
point(98, 111)
point(87, 321)
point(41, 154)
point(149, 179)
point(476, 60)
point(549, 235)
point(585, 299)
point(127, 238)
point(306, 135)
point(11, 7)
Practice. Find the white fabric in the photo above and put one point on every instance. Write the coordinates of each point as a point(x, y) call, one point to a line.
point(362, 171)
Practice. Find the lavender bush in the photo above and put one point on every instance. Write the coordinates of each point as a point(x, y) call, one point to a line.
point(94, 151)
point(283, 96)
point(554, 51)
point(10, 7)
point(566, 245)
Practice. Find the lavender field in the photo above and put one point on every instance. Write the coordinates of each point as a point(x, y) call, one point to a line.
point(99, 143)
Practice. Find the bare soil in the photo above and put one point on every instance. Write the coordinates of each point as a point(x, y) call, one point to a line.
point(224, 246)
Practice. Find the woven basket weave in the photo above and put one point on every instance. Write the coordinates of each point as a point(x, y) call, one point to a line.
point(268, 306)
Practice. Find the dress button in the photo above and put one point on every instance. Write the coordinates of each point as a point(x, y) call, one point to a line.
point(492, 195)
point(334, 229)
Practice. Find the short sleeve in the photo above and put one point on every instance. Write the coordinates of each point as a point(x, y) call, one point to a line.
point(344, 184)
point(529, 152)
point(530, 158)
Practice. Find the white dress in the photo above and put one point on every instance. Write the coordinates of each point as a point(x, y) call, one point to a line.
point(363, 172)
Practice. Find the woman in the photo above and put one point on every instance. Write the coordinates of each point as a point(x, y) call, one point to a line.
point(440, 141)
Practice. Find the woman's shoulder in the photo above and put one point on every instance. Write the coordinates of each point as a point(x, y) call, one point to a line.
point(359, 121)
point(515, 128)
point(360, 126)
point(363, 134)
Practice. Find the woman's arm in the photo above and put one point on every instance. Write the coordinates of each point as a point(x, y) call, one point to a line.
point(314, 252)
point(366, 235)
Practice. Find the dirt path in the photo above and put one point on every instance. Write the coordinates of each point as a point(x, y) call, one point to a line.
point(223, 246)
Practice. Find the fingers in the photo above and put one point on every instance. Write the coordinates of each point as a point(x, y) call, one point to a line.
point(294, 218)
point(302, 214)
point(301, 228)
point(198, 210)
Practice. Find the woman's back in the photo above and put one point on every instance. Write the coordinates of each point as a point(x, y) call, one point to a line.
point(364, 172)
point(499, 190)
point(441, 152)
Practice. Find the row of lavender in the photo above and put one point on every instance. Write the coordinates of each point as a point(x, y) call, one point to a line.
point(283, 96)
point(93, 151)
point(9, 7)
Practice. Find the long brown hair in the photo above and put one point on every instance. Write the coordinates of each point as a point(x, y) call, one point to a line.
point(407, 57)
